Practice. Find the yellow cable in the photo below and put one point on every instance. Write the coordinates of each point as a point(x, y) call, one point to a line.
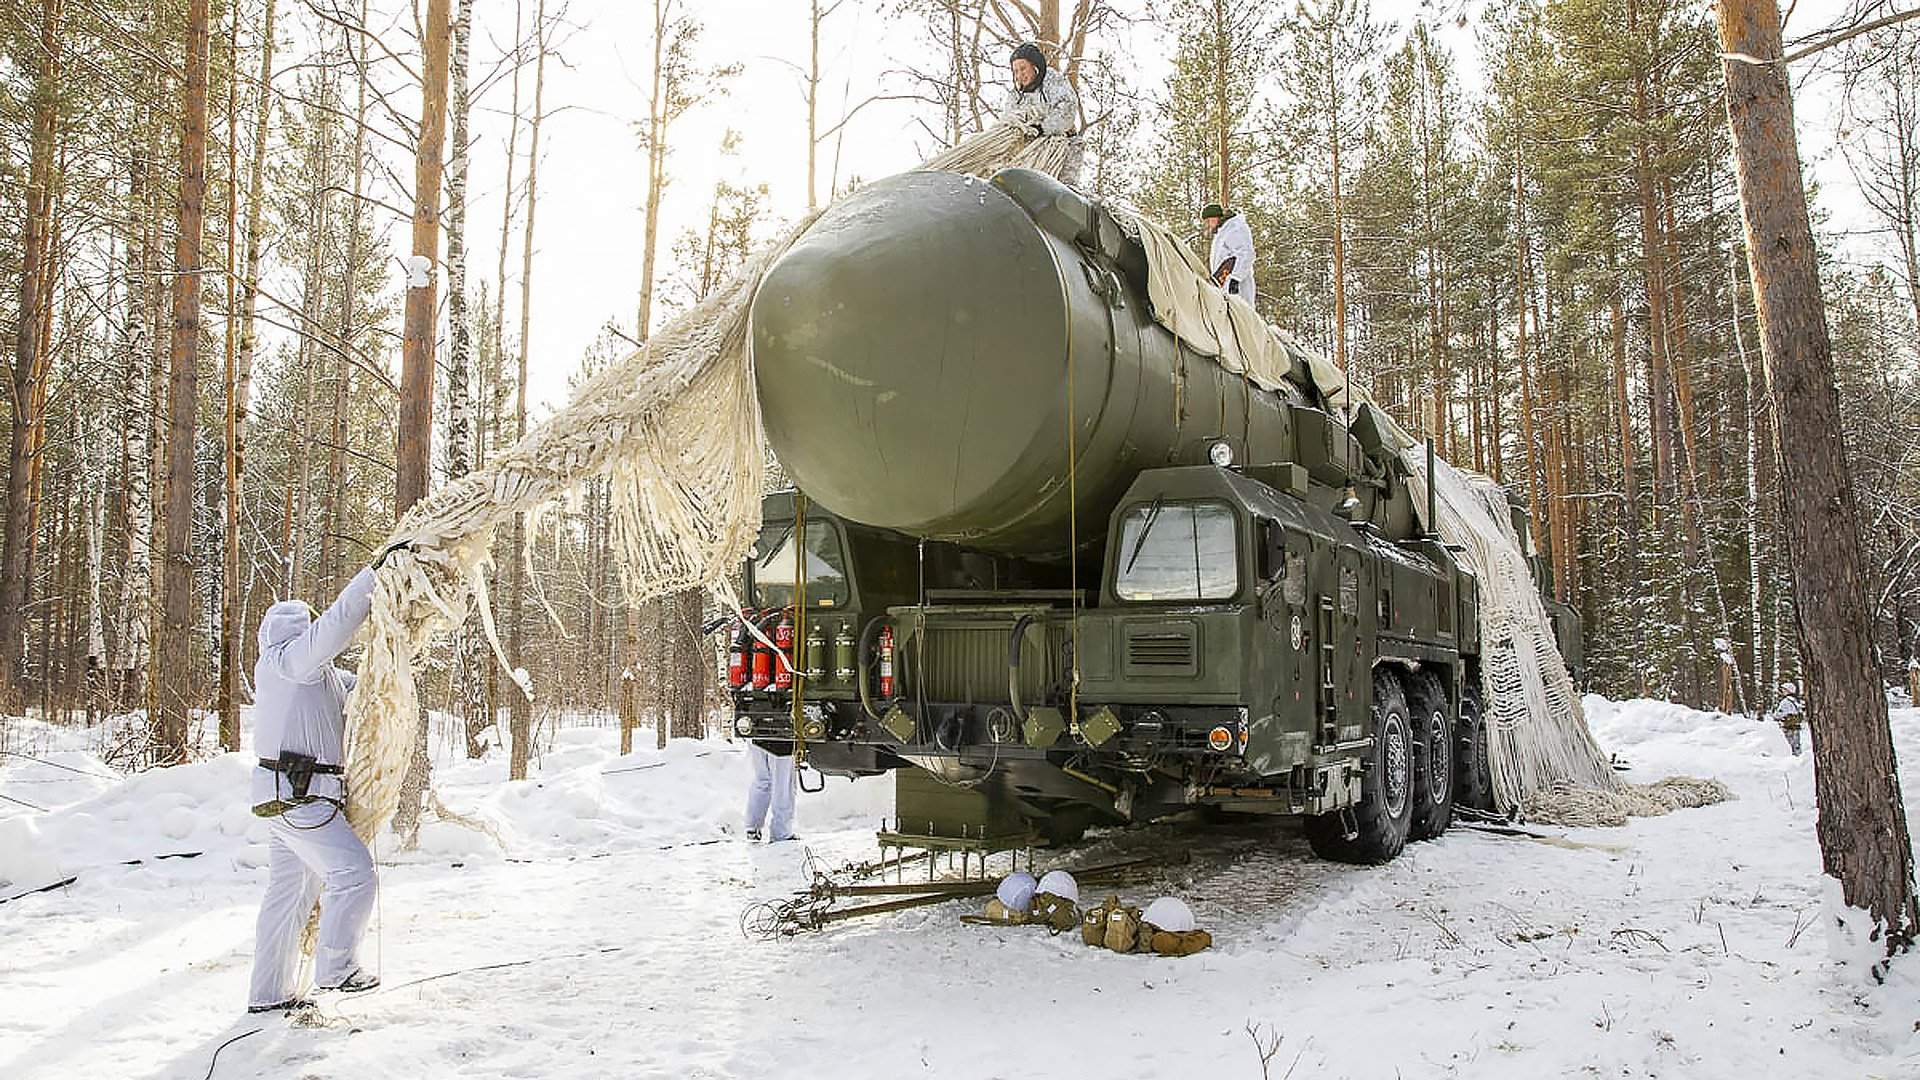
point(799, 627)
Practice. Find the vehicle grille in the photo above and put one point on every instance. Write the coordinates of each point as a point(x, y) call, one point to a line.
point(1162, 649)
point(969, 664)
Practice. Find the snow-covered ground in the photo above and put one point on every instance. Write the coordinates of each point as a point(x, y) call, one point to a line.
point(1684, 946)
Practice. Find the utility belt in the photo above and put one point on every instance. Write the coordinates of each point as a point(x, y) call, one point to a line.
point(299, 769)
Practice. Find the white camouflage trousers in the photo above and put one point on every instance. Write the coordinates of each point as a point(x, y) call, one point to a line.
point(312, 854)
point(772, 789)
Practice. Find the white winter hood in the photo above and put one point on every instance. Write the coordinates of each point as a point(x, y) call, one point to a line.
point(284, 621)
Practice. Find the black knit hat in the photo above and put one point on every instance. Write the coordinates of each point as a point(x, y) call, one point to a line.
point(1031, 53)
point(1213, 210)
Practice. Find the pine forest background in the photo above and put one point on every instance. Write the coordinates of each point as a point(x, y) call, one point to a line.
point(1533, 257)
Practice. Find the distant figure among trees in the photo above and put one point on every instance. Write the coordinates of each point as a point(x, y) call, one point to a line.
point(1789, 715)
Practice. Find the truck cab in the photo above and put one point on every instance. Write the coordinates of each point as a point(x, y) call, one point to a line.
point(1219, 648)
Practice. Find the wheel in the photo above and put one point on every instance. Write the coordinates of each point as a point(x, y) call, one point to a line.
point(1433, 783)
point(1386, 792)
point(1472, 776)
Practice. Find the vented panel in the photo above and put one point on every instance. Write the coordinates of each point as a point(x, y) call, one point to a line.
point(968, 663)
point(1162, 649)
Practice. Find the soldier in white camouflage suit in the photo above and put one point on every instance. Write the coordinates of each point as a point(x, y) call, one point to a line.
point(1042, 102)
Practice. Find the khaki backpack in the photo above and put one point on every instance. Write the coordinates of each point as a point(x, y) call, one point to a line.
point(1170, 943)
point(1093, 923)
point(1057, 913)
point(1123, 929)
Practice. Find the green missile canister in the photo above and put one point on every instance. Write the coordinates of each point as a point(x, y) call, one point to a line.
point(975, 361)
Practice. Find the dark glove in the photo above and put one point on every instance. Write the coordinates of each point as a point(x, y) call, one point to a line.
point(391, 548)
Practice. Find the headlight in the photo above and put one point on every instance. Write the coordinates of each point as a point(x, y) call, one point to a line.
point(1220, 453)
point(743, 725)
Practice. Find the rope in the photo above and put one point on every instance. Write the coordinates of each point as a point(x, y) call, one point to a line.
point(799, 628)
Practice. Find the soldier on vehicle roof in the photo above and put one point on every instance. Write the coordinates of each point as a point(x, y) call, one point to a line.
point(1231, 259)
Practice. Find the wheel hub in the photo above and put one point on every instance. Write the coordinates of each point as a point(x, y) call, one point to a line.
point(1394, 784)
point(1439, 758)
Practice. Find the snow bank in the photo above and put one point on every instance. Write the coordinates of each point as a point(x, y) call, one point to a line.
point(582, 798)
point(585, 798)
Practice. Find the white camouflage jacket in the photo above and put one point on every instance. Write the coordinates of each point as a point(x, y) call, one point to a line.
point(1053, 105)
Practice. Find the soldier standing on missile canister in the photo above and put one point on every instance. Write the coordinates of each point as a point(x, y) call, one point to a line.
point(1232, 255)
point(1042, 102)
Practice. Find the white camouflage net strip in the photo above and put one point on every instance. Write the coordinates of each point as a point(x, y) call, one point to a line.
point(1543, 760)
point(674, 427)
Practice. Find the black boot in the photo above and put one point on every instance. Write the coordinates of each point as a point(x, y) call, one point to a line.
point(288, 1005)
point(355, 983)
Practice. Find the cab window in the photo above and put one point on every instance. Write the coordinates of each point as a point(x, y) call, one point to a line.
point(1178, 551)
point(774, 564)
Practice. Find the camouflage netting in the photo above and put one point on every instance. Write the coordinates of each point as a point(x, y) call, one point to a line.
point(675, 428)
point(1543, 760)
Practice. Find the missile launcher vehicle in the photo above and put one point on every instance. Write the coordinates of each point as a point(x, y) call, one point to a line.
point(1055, 569)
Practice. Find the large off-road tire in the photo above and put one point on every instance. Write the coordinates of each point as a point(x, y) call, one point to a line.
point(1433, 759)
point(1473, 777)
point(1386, 792)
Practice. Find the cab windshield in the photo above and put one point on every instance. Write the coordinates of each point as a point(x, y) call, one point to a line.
point(1178, 551)
point(774, 564)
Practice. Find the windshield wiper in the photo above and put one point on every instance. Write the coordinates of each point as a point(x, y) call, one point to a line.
point(1153, 515)
point(774, 549)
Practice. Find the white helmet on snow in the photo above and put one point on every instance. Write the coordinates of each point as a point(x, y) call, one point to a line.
point(1016, 891)
point(1061, 884)
point(1169, 913)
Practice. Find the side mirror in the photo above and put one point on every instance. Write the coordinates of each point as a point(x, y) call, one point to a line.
point(1273, 551)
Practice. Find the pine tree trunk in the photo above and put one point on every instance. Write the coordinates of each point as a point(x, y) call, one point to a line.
point(332, 541)
point(413, 452)
point(234, 657)
point(414, 434)
point(175, 664)
point(227, 704)
point(1222, 134)
point(1623, 407)
point(1862, 822)
point(36, 297)
point(656, 171)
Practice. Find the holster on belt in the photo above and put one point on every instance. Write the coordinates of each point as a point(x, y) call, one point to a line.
point(299, 769)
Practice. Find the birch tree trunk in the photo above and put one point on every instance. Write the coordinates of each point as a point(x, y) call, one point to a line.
point(522, 709)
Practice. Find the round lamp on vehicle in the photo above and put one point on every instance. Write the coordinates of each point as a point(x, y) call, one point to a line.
point(743, 725)
point(1220, 453)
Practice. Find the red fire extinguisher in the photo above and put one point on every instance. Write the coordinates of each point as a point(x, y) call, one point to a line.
point(886, 661)
point(737, 654)
point(783, 641)
point(762, 656)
